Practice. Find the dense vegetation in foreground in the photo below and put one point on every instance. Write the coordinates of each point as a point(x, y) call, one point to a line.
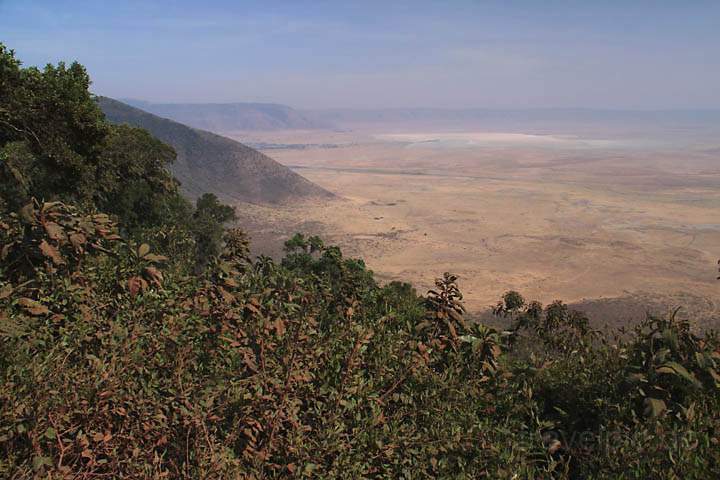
point(139, 340)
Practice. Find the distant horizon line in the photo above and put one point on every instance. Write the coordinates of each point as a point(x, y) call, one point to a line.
point(475, 108)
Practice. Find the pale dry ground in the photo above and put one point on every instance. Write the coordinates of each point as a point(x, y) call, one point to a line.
point(551, 217)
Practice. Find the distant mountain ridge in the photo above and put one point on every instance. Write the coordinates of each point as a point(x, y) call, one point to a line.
point(231, 117)
point(207, 162)
point(494, 114)
point(531, 120)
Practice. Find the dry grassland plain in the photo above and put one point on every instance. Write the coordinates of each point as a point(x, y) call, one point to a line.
point(617, 226)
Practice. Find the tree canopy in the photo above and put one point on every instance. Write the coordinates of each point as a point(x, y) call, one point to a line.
point(55, 145)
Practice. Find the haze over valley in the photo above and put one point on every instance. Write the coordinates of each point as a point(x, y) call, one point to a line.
point(610, 210)
point(554, 216)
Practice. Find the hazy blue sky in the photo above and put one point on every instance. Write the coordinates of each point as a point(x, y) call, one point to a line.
point(603, 53)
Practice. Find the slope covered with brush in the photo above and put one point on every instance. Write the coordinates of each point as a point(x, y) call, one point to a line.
point(207, 162)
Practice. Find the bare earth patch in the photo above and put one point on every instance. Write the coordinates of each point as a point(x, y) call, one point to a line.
point(552, 218)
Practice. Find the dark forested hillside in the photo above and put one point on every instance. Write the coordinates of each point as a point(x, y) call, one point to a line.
point(207, 162)
point(146, 343)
